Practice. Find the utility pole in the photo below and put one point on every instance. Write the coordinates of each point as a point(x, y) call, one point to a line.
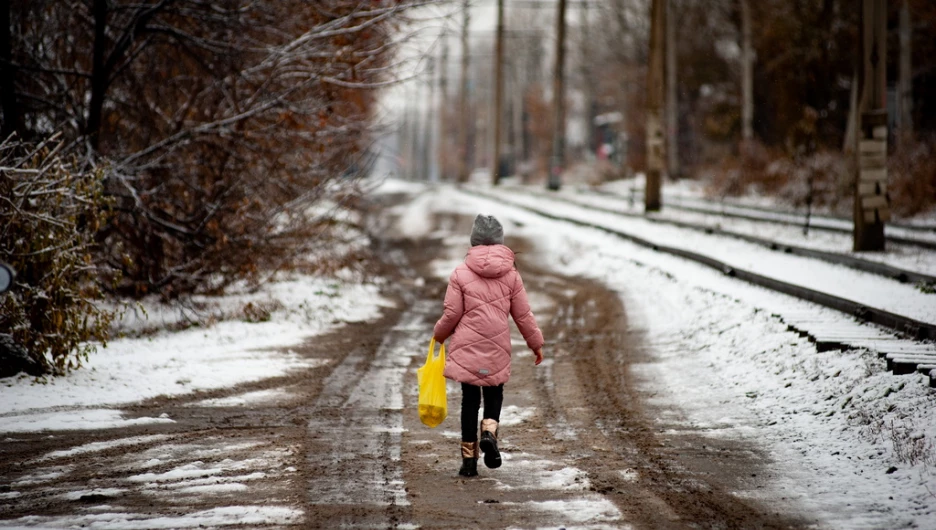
point(516, 115)
point(871, 203)
point(463, 99)
point(442, 141)
point(905, 77)
point(415, 135)
point(747, 76)
point(496, 121)
point(427, 123)
point(655, 91)
point(586, 73)
point(558, 143)
point(672, 99)
point(402, 141)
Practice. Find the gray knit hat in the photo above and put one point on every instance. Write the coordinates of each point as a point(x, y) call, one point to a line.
point(486, 231)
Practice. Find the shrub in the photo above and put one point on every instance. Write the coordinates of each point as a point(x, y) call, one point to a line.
point(49, 214)
point(912, 178)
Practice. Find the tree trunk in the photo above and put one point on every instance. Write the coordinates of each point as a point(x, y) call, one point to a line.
point(747, 74)
point(558, 143)
point(496, 121)
point(517, 117)
point(415, 135)
point(851, 125)
point(655, 90)
point(463, 99)
point(99, 73)
point(672, 98)
point(588, 88)
point(905, 78)
point(11, 111)
point(425, 149)
point(442, 140)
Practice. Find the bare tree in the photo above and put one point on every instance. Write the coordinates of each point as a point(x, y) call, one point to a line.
point(224, 122)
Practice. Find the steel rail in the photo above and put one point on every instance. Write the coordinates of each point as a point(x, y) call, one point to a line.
point(715, 204)
point(873, 267)
point(921, 243)
point(910, 328)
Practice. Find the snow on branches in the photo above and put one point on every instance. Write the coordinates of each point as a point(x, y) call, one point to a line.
point(221, 123)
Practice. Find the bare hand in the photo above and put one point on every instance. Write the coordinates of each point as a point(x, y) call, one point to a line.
point(539, 356)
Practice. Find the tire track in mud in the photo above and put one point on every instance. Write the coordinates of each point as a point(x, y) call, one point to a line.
point(356, 428)
point(222, 462)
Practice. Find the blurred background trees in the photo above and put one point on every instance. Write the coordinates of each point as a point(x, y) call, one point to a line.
point(804, 65)
point(222, 133)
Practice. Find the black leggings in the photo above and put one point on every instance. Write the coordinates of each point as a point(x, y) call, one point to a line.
point(471, 403)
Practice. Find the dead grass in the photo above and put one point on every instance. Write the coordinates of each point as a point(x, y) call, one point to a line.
point(911, 447)
point(912, 178)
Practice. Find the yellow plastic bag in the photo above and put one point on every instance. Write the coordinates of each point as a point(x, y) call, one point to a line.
point(433, 403)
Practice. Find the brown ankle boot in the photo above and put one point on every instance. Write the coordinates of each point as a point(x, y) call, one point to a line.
point(488, 443)
point(470, 454)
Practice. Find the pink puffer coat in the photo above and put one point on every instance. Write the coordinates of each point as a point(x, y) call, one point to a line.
point(481, 293)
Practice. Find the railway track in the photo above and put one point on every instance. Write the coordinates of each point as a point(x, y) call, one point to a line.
point(881, 269)
point(910, 351)
point(900, 233)
point(711, 205)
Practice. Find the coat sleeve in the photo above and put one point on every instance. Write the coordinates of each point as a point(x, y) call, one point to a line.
point(452, 309)
point(523, 316)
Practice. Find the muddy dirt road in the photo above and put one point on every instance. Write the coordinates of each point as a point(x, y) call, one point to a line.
point(340, 445)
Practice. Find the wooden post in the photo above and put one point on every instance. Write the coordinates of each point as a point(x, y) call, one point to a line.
point(463, 99)
point(872, 207)
point(496, 121)
point(558, 144)
point(655, 89)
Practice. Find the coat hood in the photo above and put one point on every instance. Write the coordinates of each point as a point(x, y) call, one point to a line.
point(490, 261)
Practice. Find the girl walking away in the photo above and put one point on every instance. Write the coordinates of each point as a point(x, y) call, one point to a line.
point(481, 293)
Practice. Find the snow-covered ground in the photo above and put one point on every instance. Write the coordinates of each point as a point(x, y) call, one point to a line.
point(694, 191)
point(169, 363)
point(861, 287)
point(900, 256)
point(851, 442)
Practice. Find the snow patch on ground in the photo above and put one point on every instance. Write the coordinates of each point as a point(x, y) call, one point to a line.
point(630, 475)
point(73, 420)
point(540, 474)
point(593, 509)
point(512, 415)
point(193, 470)
point(215, 517)
point(104, 492)
point(46, 475)
point(174, 363)
point(247, 399)
point(102, 446)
